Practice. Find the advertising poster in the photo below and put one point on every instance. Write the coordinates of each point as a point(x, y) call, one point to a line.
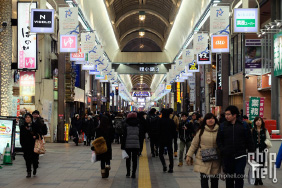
point(6, 127)
point(27, 42)
point(253, 59)
point(87, 42)
point(68, 20)
point(278, 54)
point(219, 20)
point(200, 42)
point(246, 20)
point(27, 87)
point(254, 107)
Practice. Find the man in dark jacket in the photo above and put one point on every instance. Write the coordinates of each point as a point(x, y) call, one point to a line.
point(234, 139)
point(38, 121)
point(152, 121)
point(167, 130)
point(131, 142)
point(186, 132)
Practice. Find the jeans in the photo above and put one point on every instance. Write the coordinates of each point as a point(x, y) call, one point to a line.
point(205, 181)
point(170, 155)
point(235, 170)
point(132, 154)
point(104, 163)
point(182, 146)
point(175, 141)
point(153, 144)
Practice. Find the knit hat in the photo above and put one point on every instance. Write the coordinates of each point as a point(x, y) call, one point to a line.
point(132, 115)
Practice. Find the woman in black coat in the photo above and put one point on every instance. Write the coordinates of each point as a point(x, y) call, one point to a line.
point(28, 134)
point(105, 130)
point(76, 128)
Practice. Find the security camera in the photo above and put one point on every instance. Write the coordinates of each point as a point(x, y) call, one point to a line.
point(4, 24)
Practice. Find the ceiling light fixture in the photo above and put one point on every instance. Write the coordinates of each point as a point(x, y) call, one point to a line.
point(141, 32)
point(141, 45)
point(142, 15)
point(278, 22)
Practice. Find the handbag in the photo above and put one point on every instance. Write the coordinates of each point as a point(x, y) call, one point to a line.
point(93, 157)
point(124, 154)
point(251, 178)
point(209, 154)
point(39, 146)
point(100, 145)
point(267, 140)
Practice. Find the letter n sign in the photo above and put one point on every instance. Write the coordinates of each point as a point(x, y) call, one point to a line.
point(42, 21)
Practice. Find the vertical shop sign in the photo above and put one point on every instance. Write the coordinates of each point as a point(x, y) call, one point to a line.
point(254, 107)
point(27, 42)
point(68, 20)
point(200, 42)
point(248, 108)
point(278, 54)
point(246, 20)
point(261, 107)
point(178, 92)
point(87, 42)
point(27, 86)
point(219, 20)
point(16, 106)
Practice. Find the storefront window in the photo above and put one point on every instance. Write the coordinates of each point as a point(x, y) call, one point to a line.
point(236, 62)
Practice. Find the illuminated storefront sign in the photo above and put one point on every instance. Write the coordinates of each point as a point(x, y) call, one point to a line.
point(220, 43)
point(27, 87)
point(168, 87)
point(141, 94)
point(79, 56)
point(42, 21)
point(193, 67)
point(68, 43)
point(178, 92)
point(246, 20)
point(27, 42)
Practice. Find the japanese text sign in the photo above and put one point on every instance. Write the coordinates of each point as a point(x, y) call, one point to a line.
point(68, 20)
point(254, 107)
point(245, 20)
point(68, 43)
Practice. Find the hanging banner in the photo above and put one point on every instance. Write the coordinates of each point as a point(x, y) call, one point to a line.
point(219, 20)
point(87, 42)
point(42, 21)
point(180, 66)
point(105, 70)
point(246, 20)
point(96, 54)
point(200, 42)
point(261, 107)
point(254, 107)
point(248, 108)
point(94, 71)
point(79, 56)
point(278, 54)
point(68, 21)
point(27, 42)
point(253, 60)
point(68, 43)
point(188, 55)
point(204, 57)
point(219, 43)
point(193, 67)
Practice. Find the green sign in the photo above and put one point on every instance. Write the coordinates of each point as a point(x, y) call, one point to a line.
point(277, 54)
point(254, 105)
point(245, 22)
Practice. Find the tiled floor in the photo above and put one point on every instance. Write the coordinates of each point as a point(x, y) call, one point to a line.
point(67, 165)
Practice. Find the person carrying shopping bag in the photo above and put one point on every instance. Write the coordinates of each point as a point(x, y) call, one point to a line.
point(131, 142)
point(207, 160)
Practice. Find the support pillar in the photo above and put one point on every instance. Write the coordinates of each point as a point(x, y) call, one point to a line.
point(6, 92)
point(225, 80)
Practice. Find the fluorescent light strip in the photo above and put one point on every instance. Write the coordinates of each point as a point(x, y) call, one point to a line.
point(49, 6)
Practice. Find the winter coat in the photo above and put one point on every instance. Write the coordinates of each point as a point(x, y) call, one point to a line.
point(234, 140)
point(76, 126)
point(131, 134)
point(153, 128)
point(186, 135)
point(109, 137)
point(118, 122)
point(26, 136)
point(167, 129)
point(176, 120)
point(208, 140)
point(88, 127)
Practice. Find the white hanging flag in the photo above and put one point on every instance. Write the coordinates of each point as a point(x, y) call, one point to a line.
point(88, 66)
point(96, 54)
point(107, 69)
point(87, 42)
point(68, 20)
point(103, 64)
point(200, 42)
point(219, 20)
point(188, 55)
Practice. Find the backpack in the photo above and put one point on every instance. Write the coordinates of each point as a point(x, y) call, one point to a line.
point(118, 124)
point(153, 124)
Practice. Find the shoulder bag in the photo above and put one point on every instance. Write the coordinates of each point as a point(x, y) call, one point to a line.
point(39, 146)
point(209, 154)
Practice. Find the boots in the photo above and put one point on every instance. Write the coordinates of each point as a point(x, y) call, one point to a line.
point(34, 171)
point(103, 173)
point(260, 182)
point(28, 175)
point(128, 174)
point(108, 168)
point(133, 175)
point(256, 181)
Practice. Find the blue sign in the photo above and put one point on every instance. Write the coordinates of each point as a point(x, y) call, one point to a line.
point(141, 94)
